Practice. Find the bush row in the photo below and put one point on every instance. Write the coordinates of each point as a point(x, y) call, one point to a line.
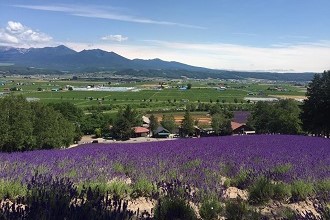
point(49, 198)
point(262, 189)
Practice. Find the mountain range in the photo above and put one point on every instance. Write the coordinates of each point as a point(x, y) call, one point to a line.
point(62, 58)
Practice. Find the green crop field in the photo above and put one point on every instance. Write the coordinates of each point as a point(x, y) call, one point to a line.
point(147, 92)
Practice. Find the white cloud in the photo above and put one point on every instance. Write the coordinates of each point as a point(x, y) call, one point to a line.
point(110, 13)
point(304, 57)
point(14, 27)
point(116, 38)
point(16, 34)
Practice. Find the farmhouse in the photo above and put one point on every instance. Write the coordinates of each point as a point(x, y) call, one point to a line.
point(140, 132)
point(239, 128)
point(161, 133)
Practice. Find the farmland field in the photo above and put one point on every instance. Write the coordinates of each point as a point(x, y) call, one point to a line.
point(146, 91)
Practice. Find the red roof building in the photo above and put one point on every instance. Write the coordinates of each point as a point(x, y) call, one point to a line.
point(140, 132)
point(239, 128)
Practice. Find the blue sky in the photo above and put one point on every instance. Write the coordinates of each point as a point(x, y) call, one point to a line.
point(273, 35)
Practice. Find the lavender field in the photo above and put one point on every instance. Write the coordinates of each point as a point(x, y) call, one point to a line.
point(200, 162)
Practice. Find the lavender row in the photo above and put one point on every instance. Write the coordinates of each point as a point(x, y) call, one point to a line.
point(200, 162)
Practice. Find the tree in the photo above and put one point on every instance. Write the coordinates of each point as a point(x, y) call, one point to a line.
point(122, 128)
point(51, 129)
point(261, 117)
point(68, 110)
point(73, 114)
point(124, 123)
point(16, 127)
point(316, 107)
point(187, 125)
point(28, 126)
point(189, 85)
point(168, 122)
point(154, 124)
point(281, 117)
point(91, 121)
point(220, 124)
point(132, 116)
point(287, 120)
point(217, 108)
point(98, 132)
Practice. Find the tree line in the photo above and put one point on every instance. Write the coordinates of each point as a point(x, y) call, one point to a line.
point(281, 117)
point(287, 117)
point(32, 125)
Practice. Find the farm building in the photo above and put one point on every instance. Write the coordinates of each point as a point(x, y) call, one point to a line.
point(206, 132)
point(140, 132)
point(259, 99)
point(161, 133)
point(239, 128)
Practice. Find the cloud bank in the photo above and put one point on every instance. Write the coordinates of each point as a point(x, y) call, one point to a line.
point(303, 57)
point(16, 34)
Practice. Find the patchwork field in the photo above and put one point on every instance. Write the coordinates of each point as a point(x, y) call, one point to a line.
point(57, 91)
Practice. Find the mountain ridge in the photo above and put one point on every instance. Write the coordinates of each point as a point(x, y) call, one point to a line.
point(62, 58)
point(71, 60)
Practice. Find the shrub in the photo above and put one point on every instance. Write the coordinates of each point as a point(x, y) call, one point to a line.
point(242, 180)
point(176, 188)
point(236, 210)
point(173, 208)
point(227, 183)
point(116, 188)
point(282, 191)
point(239, 209)
point(279, 172)
point(281, 169)
point(49, 198)
point(301, 190)
point(288, 214)
point(11, 189)
point(143, 187)
point(261, 192)
point(210, 209)
point(119, 188)
point(227, 169)
point(323, 189)
point(120, 168)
